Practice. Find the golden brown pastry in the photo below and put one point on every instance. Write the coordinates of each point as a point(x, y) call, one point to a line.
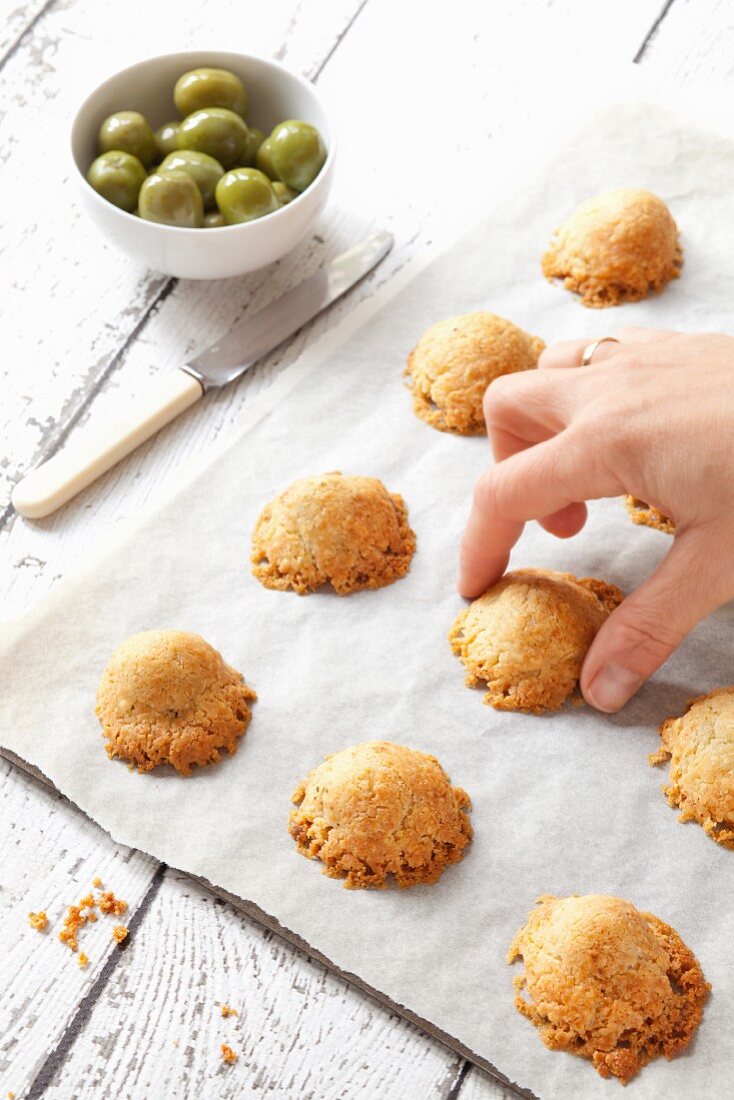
point(348, 532)
point(616, 247)
point(700, 747)
point(167, 697)
point(648, 516)
point(527, 636)
point(455, 360)
point(379, 810)
point(606, 982)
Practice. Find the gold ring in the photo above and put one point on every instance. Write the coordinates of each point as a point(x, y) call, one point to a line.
point(591, 348)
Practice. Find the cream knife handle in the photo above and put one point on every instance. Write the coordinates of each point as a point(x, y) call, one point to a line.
point(96, 448)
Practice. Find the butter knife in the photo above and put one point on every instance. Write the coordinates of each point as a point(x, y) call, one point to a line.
point(95, 449)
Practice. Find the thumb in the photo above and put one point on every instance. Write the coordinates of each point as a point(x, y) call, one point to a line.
point(652, 622)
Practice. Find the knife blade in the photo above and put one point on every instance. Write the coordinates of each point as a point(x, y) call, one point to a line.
point(94, 450)
point(254, 337)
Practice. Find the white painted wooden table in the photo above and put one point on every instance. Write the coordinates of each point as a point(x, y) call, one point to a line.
point(416, 89)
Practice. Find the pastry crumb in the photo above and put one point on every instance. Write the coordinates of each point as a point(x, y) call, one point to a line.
point(97, 882)
point(85, 912)
point(227, 1011)
point(73, 921)
point(108, 903)
point(228, 1055)
point(119, 933)
point(39, 920)
point(83, 961)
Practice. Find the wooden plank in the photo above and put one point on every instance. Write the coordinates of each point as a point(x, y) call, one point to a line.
point(300, 1031)
point(476, 1085)
point(694, 44)
point(49, 854)
point(15, 21)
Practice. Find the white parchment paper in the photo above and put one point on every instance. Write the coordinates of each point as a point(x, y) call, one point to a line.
point(562, 804)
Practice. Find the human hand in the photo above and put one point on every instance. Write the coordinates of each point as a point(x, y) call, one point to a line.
point(652, 416)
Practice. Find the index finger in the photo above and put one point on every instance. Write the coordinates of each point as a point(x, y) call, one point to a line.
point(531, 484)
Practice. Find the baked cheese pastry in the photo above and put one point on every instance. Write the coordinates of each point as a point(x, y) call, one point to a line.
point(168, 697)
point(607, 982)
point(616, 247)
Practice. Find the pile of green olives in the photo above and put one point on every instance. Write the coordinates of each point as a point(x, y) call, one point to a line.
point(209, 169)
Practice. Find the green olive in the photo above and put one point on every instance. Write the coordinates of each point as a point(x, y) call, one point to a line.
point(263, 160)
point(214, 220)
point(129, 132)
point(171, 198)
point(284, 193)
point(216, 131)
point(297, 153)
point(204, 170)
point(255, 138)
point(244, 194)
point(117, 177)
point(166, 138)
point(209, 88)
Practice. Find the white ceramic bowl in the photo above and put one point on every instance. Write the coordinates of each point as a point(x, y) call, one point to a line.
point(274, 94)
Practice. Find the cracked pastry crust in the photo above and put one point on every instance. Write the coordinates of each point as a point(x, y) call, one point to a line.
point(455, 360)
point(377, 811)
point(647, 515)
point(527, 636)
point(607, 982)
point(349, 532)
point(700, 748)
point(616, 247)
point(167, 697)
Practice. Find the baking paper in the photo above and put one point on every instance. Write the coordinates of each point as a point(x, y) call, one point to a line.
point(562, 804)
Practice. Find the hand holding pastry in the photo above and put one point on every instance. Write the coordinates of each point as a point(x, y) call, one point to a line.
point(651, 416)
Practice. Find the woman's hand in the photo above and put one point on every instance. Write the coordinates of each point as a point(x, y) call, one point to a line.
point(652, 416)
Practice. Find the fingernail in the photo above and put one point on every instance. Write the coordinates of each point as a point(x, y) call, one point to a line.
point(612, 686)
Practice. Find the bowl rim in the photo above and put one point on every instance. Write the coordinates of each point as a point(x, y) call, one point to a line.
point(181, 230)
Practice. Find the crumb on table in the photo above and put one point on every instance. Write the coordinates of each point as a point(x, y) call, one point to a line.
point(39, 920)
point(227, 1011)
point(83, 961)
point(228, 1055)
point(97, 881)
point(86, 913)
point(73, 921)
point(108, 903)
